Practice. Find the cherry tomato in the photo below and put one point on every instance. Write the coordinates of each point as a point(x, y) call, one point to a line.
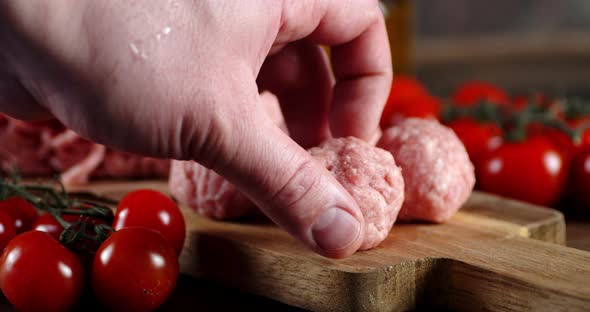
point(39, 274)
point(153, 210)
point(579, 181)
point(422, 106)
point(585, 137)
point(21, 211)
point(477, 137)
point(135, 269)
point(566, 145)
point(403, 89)
point(84, 249)
point(470, 93)
point(47, 223)
point(7, 230)
point(521, 101)
point(532, 171)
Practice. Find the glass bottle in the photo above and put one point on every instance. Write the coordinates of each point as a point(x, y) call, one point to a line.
point(399, 18)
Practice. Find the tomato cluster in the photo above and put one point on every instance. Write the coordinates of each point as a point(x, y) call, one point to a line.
point(532, 148)
point(71, 249)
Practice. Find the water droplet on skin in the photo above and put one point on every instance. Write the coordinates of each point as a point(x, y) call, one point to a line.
point(134, 48)
point(164, 33)
point(137, 50)
point(144, 46)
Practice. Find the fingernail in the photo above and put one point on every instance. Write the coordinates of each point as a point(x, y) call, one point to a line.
point(335, 229)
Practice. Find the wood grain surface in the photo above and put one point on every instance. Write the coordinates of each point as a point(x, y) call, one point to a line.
point(496, 254)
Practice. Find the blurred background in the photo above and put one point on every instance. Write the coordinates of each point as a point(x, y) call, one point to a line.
point(523, 46)
point(476, 59)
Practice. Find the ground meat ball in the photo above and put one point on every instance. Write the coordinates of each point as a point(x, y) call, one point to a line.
point(371, 176)
point(206, 192)
point(438, 174)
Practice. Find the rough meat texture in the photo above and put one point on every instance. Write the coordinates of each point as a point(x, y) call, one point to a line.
point(371, 176)
point(20, 144)
point(206, 192)
point(42, 148)
point(438, 174)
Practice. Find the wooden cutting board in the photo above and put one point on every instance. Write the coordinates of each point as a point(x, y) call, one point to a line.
point(496, 255)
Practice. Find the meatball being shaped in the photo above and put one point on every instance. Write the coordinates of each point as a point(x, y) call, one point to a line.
point(371, 176)
point(438, 174)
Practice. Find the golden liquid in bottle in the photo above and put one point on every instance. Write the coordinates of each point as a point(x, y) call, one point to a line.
point(399, 18)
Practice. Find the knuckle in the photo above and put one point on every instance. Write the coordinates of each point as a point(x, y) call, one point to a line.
point(299, 189)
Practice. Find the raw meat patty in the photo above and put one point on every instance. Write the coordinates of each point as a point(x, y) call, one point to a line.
point(79, 160)
point(21, 144)
point(206, 192)
point(371, 176)
point(438, 174)
point(43, 148)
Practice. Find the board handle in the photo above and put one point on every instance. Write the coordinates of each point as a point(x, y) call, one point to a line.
point(514, 274)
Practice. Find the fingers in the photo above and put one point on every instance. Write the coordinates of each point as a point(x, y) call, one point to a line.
point(363, 73)
point(300, 77)
point(360, 57)
point(290, 187)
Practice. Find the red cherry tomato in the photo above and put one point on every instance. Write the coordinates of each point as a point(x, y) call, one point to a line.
point(135, 269)
point(84, 249)
point(521, 101)
point(403, 89)
point(39, 274)
point(477, 137)
point(470, 93)
point(153, 210)
point(48, 224)
point(422, 106)
point(579, 181)
point(7, 230)
point(566, 145)
point(585, 138)
point(533, 171)
point(21, 211)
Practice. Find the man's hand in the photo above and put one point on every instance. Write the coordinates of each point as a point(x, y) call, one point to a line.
point(181, 79)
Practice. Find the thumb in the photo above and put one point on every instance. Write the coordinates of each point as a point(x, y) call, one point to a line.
point(290, 187)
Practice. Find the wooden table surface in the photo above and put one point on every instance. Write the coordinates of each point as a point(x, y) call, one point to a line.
point(193, 294)
point(198, 295)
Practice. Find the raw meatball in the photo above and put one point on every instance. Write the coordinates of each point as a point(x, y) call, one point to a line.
point(206, 192)
point(438, 174)
point(371, 176)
